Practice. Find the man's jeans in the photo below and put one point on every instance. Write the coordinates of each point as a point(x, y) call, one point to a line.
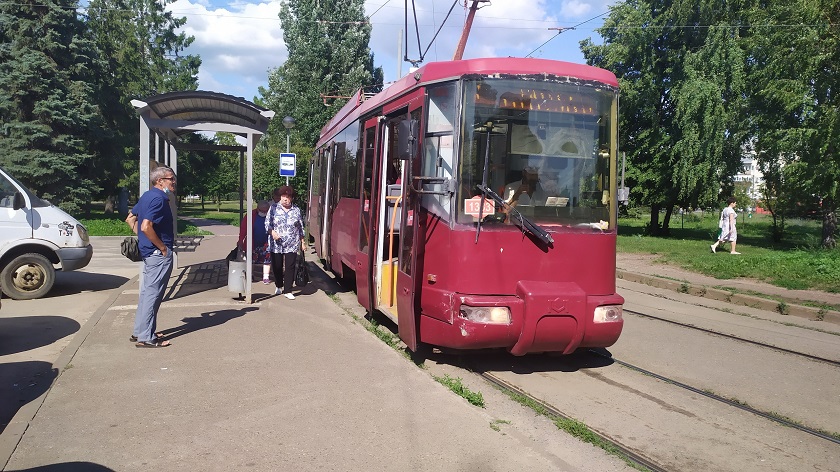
point(156, 272)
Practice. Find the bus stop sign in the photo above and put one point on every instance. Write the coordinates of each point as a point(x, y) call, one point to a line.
point(287, 164)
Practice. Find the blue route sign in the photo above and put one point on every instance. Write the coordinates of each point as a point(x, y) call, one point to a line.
point(287, 164)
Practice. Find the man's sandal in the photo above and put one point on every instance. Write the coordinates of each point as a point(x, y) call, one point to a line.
point(153, 344)
point(133, 338)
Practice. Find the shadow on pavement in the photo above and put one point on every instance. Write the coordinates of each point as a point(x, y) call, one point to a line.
point(205, 320)
point(21, 383)
point(68, 467)
point(71, 283)
point(22, 333)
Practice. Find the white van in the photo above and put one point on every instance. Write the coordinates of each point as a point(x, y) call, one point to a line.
point(34, 237)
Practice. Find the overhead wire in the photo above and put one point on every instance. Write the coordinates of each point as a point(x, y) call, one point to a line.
point(560, 30)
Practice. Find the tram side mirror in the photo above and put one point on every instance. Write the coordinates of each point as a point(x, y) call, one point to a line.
point(407, 139)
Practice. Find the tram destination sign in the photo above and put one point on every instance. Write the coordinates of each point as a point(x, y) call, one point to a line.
point(287, 164)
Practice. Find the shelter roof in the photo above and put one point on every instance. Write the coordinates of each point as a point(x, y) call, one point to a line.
point(183, 112)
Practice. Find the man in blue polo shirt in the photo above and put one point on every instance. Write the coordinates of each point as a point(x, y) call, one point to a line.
point(155, 235)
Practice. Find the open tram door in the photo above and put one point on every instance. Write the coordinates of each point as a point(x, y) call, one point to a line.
point(370, 142)
point(406, 289)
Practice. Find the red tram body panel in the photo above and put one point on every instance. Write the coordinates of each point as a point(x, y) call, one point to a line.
point(474, 203)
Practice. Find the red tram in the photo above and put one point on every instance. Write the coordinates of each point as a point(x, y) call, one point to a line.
point(474, 203)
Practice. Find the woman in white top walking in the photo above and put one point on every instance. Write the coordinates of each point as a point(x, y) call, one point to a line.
point(728, 233)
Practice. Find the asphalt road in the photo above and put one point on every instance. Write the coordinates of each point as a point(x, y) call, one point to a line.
point(33, 333)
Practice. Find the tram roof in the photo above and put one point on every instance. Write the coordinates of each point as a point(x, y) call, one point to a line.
point(440, 71)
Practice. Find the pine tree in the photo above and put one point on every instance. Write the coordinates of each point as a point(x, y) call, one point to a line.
point(50, 118)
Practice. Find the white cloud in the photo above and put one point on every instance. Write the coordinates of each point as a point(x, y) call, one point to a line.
point(238, 43)
point(240, 40)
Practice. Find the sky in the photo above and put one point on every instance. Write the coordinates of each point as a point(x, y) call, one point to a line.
point(240, 41)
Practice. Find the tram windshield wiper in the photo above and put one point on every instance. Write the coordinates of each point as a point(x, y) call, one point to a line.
point(518, 218)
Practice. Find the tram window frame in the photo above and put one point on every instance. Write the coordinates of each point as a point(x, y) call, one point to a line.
point(442, 111)
point(366, 188)
point(347, 143)
point(407, 232)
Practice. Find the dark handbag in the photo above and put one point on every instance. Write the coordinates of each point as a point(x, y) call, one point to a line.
point(301, 272)
point(130, 248)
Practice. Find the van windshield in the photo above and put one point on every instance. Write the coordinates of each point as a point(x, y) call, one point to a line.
point(9, 185)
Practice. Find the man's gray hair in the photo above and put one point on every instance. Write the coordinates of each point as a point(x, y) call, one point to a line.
point(160, 172)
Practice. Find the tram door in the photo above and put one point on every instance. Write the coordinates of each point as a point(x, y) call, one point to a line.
point(412, 229)
point(367, 236)
point(389, 205)
point(327, 204)
point(316, 201)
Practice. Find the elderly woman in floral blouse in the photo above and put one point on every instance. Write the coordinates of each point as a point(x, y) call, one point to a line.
point(284, 226)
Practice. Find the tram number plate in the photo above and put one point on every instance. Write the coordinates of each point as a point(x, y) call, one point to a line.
point(473, 205)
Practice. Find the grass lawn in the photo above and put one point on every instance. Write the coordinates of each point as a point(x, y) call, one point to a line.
point(795, 263)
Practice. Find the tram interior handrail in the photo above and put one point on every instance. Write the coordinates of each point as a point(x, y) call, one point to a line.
point(448, 184)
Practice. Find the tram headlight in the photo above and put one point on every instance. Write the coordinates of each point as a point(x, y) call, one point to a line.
point(486, 314)
point(608, 314)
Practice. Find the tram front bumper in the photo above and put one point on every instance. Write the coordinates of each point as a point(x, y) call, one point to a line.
point(558, 317)
point(544, 317)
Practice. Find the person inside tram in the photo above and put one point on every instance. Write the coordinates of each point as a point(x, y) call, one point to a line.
point(526, 191)
point(394, 173)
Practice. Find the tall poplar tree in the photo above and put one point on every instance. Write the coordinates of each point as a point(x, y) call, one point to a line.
point(682, 109)
point(50, 118)
point(795, 98)
point(329, 58)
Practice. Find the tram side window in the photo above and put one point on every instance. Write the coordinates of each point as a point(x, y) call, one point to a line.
point(438, 149)
point(367, 187)
point(316, 173)
point(346, 152)
point(407, 234)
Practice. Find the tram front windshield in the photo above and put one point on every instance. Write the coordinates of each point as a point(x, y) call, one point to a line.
point(547, 149)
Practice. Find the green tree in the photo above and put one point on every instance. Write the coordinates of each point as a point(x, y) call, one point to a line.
point(144, 54)
point(329, 55)
point(50, 119)
point(682, 104)
point(794, 51)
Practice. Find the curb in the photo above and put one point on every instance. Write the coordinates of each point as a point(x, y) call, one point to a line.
point(787, 306)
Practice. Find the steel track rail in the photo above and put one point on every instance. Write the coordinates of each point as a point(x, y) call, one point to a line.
point(736, 338)
point(718, 398)
point(627, 453)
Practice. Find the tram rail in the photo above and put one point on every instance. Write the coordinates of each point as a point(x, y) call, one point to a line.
point(624, 451)
point(718, 398)
point(833, 362)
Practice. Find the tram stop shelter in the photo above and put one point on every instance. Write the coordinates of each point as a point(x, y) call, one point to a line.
point(170, 116)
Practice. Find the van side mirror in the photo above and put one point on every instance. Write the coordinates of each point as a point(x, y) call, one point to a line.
point(19, 202)
point(407, 139)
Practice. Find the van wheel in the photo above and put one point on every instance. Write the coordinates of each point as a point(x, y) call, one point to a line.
point(27, 277)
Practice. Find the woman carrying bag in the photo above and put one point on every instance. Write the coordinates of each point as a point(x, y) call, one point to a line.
point(284, 225)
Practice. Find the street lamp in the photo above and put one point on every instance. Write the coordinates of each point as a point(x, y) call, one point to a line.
point(288, 123)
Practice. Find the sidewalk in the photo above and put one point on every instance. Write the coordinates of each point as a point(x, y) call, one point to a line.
point(276, 385)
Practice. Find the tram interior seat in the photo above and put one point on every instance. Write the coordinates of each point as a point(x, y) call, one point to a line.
point(393, 190)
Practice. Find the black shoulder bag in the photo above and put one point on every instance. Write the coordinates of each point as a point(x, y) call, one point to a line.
point(130, 248)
